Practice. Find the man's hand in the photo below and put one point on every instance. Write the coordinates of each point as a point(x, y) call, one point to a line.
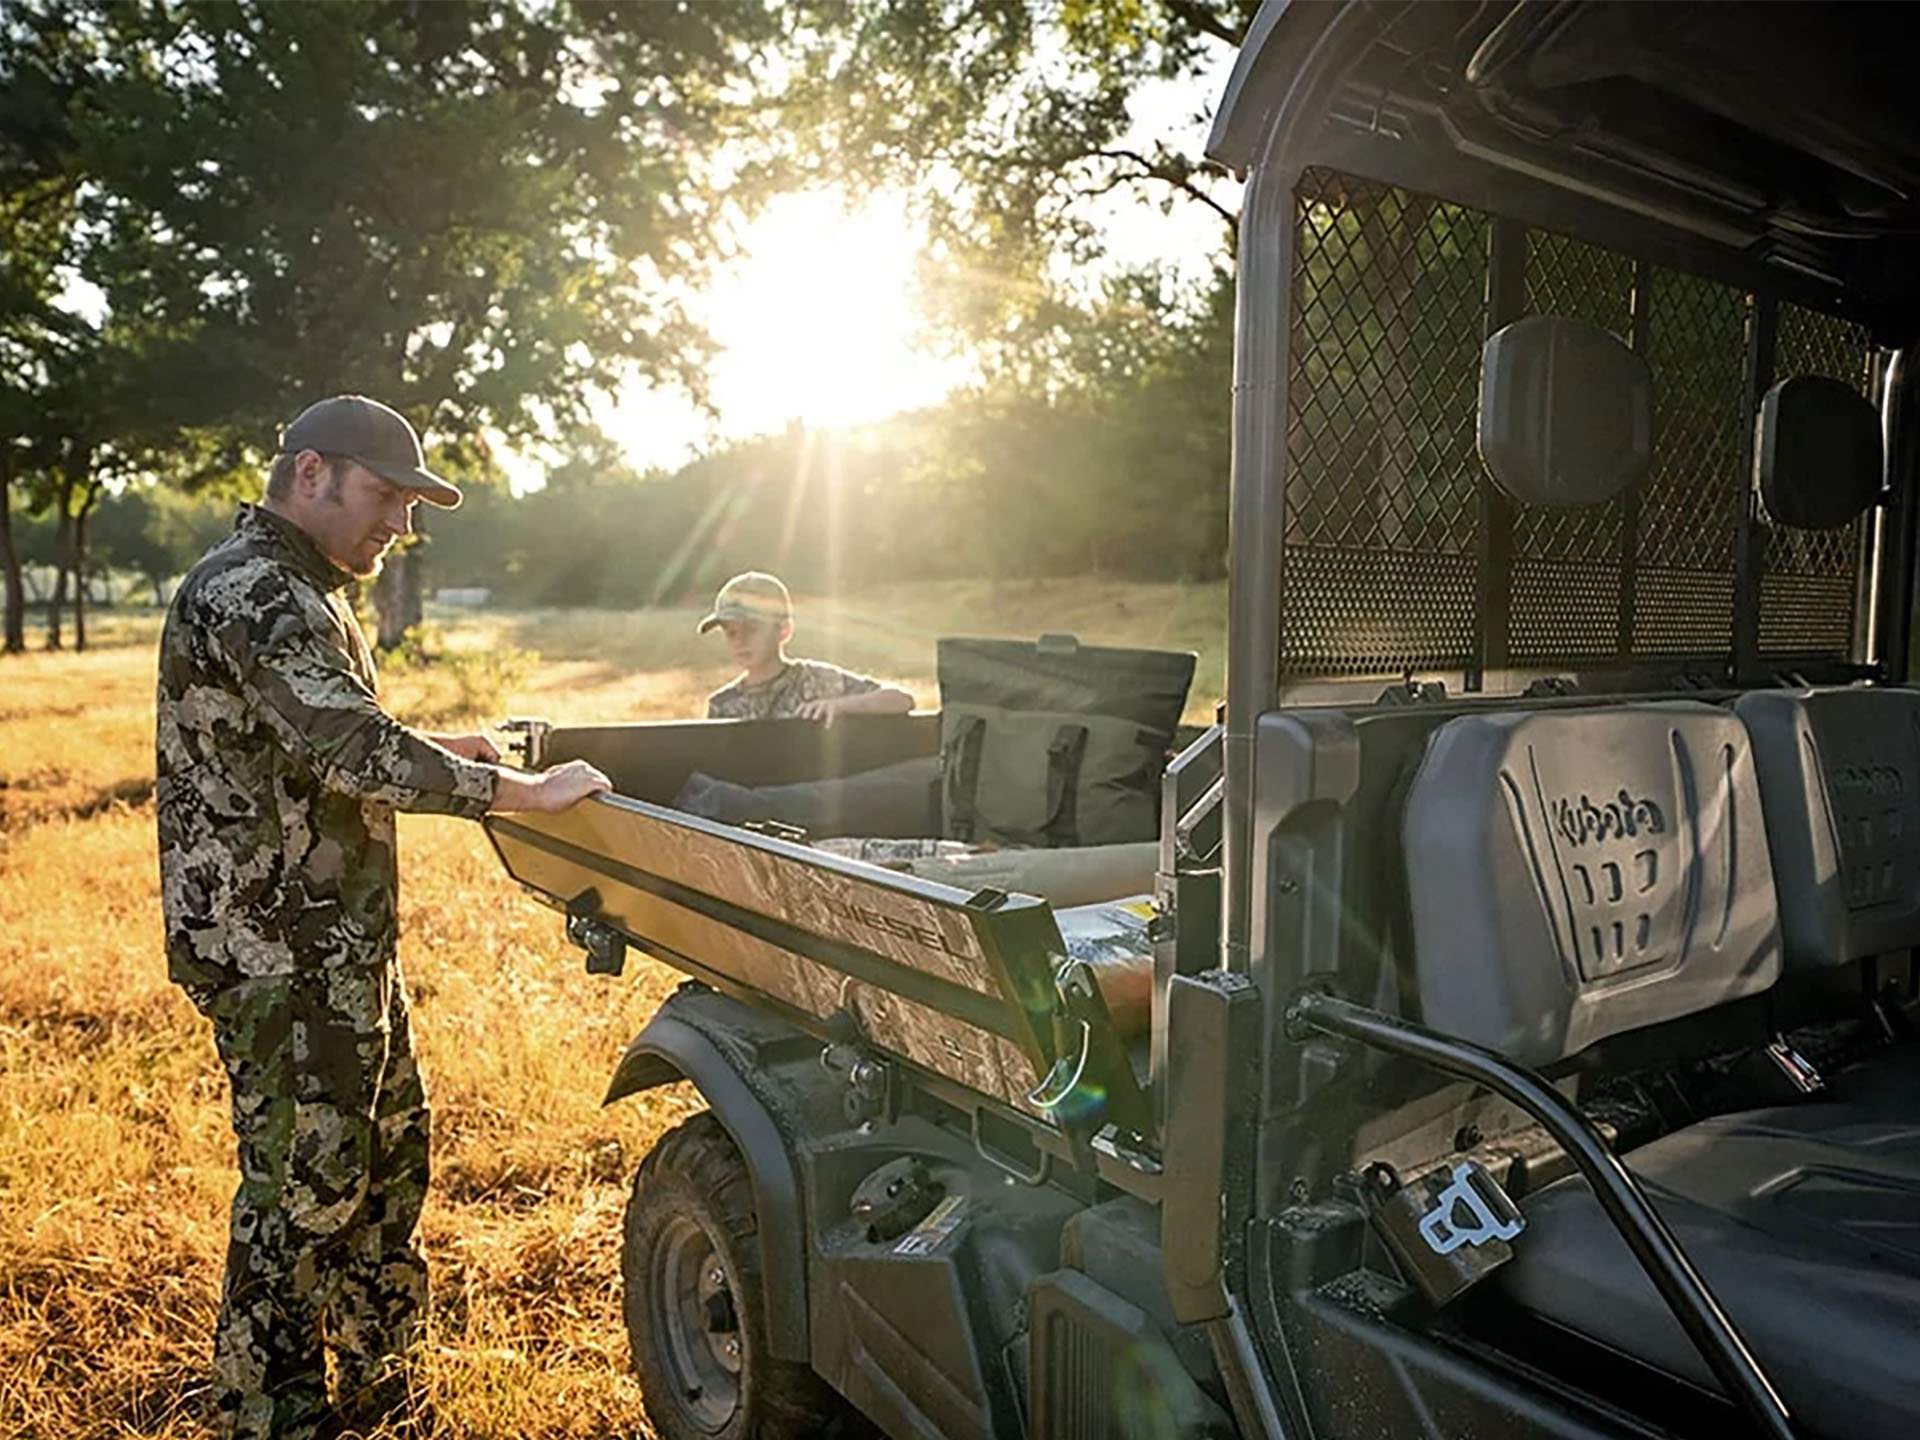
point(820, 710)
point(557, 789)
point(469, 747)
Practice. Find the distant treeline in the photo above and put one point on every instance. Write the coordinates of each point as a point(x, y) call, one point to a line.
point(1125, 489)
point(975, 488)
point(1112, 461)
point(1120, 472)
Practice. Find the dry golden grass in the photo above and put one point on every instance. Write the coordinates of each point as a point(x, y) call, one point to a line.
point(115, 1157)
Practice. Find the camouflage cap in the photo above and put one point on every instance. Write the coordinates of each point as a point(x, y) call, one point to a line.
point(754, 595)
point(377, 436)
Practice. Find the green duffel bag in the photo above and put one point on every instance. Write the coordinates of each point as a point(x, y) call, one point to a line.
point(1053, 743)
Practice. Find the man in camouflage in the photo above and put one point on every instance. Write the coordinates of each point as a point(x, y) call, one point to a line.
point(278, 778)
point(754, 614)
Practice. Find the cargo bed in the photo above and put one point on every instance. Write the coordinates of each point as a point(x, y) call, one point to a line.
point(972, 986)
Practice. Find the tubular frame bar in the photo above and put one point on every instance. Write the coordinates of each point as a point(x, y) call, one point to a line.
point(1646, 1234)
point(1895, 602)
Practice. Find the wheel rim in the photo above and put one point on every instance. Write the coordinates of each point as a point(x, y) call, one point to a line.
point(694, 1298)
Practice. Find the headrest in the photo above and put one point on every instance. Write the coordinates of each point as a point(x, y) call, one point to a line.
point(1566, 413)
point(1819, 461)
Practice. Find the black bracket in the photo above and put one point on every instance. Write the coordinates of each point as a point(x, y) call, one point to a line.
point(1413, 692)
point(1448, 1230)
point(532, 744)
point(870, 1092)
point(606, 947)
point(777, 830)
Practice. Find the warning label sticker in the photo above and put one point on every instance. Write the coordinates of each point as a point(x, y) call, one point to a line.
point(941, 1222)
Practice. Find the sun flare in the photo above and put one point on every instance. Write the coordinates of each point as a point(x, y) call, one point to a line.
point(818, 320)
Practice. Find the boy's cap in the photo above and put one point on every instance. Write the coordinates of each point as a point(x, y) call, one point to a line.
point(376, 435)
point(752, 596)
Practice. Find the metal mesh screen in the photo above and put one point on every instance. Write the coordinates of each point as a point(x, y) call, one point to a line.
point(1808, 586)
point(1382, 514)
point(1566, 573)
point(1383, 551)
point(1689, 502)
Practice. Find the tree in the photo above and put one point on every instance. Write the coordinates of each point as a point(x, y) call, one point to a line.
point(1105, 392)
point(1008, 120)
point(39, 71)
point(157, 530)
point(481, 214)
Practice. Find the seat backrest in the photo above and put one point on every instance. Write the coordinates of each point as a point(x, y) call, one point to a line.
point(1572, 874)
point(1839, 775)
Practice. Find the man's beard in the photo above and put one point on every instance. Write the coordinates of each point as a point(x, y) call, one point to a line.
point(332, 496)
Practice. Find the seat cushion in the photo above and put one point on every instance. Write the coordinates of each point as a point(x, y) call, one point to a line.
point(1805, 1223)
point(1885, 1085)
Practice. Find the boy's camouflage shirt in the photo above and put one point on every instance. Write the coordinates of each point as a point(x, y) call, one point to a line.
point(278, 772)
point(798, 682)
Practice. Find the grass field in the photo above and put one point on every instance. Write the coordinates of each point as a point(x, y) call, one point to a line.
point(115, 1157)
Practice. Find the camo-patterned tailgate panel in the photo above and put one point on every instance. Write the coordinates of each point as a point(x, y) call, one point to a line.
point(938, 938)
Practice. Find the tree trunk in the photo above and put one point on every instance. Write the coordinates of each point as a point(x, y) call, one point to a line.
point(62, 549)
point(80, 566)
point(16, 597)
point(396, 596)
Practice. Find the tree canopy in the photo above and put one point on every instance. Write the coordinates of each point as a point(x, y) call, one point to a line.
point(485, 214)
point(480, 213)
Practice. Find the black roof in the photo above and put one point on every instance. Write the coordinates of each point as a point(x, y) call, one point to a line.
point(1777, 140)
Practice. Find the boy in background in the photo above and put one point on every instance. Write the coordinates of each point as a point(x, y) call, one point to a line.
point(755, 614)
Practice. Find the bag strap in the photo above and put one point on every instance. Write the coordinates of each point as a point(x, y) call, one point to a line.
point(960, 775)
point(1069, 748)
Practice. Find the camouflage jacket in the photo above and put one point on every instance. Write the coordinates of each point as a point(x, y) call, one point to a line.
point(278, 772)
point(798, 682)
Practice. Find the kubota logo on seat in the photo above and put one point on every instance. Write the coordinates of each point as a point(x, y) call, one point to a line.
point(1875, 780)
point(1611, 820)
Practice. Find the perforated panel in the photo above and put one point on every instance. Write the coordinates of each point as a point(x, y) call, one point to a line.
point(1689, 506)
point(1384, 553)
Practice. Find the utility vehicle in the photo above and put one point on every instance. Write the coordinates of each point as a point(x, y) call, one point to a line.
point(1528, 1050)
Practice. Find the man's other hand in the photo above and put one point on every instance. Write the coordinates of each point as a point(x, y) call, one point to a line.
point(469, 747)
point(567, 785)
point(557, 789)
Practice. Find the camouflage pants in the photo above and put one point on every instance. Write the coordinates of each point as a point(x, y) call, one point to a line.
point(331, 1118)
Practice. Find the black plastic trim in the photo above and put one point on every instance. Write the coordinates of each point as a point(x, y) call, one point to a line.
point(1900, 520)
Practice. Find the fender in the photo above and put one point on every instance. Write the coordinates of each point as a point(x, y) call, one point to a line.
point(671, 1049)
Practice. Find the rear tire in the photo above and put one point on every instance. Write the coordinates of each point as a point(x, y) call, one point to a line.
point(694, 1298)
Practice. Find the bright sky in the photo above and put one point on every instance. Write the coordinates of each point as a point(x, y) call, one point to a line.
point(819, 320)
